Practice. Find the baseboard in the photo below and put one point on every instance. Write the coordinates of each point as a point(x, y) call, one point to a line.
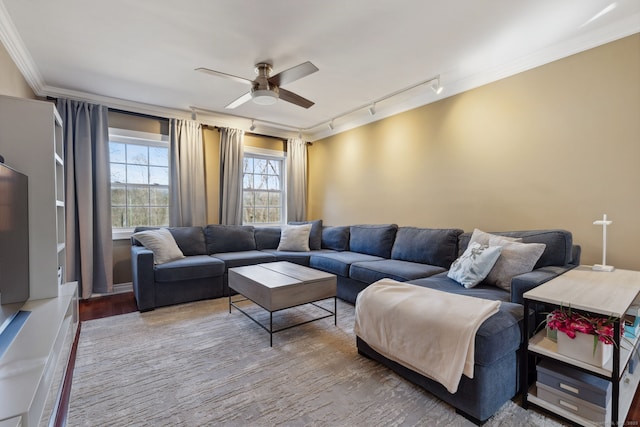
point(122, 287)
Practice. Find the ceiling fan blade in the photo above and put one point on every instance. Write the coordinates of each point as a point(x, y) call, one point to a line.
point(225, 75)
point(238, 102)
point(293, 74)
point(293, 98)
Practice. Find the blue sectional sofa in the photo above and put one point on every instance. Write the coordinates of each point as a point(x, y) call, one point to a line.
point(360, 255)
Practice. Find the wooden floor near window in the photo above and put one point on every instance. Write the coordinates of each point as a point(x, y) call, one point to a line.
point(111, 305)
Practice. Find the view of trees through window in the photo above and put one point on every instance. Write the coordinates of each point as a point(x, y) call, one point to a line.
point(263, 194)
point(139, 183)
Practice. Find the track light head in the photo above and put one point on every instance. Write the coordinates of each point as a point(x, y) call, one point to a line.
point(252, 127)
point(437, 87)
point(331, 125)
point(372, 109)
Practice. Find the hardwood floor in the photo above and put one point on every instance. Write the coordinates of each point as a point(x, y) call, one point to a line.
point(111, 305)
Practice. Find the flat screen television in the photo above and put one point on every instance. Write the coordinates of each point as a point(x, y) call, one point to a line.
point(14, 242)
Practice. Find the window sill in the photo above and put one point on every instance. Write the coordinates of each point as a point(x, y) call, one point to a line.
point(121, 234)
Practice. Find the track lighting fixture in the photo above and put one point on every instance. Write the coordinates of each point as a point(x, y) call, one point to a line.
point(252, 127)
point(193, 114)
point(372, 109)
point(437, 87)
point(331, 125)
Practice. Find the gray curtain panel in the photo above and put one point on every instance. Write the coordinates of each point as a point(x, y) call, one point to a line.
point(231, 162)
point(188, 203)
point(296, 179)
point(87, 195)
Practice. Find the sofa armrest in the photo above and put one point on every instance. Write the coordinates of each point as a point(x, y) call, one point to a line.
point(143, 277)
point(527, 281)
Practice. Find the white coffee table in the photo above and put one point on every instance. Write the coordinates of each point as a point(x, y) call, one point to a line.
point(281, 285)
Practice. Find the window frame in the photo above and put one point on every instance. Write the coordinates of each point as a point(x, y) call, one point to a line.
point(127, 136)
point(267, 154)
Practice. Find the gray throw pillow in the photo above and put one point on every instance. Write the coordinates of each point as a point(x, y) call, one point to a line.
point(295, 238)
point(516, 258)
point(474, 264)
point(161, 243)
point(483, 238)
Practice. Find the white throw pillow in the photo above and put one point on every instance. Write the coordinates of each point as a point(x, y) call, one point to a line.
point(161, 243)
point(474, 264)
point(295, 238)
point(516, 258)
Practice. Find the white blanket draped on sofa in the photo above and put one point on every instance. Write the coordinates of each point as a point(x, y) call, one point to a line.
point(429, 331)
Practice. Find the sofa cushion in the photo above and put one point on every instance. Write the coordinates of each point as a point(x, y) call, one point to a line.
point(376, 240)
point(295, 238)
point(335, 238)
point(372, 271)
point(189, 268)
point(426, 245)
point(338, 262)
point(229, 238)
point(516, 258)
point(315, 236)
point(559, 244)
point(190, 240)
point(161, 243)
point(267, 237)
point(242, 258)
point(301, 258)
point(474, 264)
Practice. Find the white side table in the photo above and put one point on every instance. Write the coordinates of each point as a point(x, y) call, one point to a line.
point(609, 294)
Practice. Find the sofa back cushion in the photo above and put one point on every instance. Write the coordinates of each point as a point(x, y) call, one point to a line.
point(376, 240)
point(335, 238)
point(434, 246)
point(190, 240)
point(267, 237)
point(229, 238)
point(559, 244)
point(315, 237)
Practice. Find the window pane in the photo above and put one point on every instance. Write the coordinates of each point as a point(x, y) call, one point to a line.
point(274, 200)
point(273, 182)
point(158, 175)
point(118, 173)
point(274, 167)
point(247, 181)
point(262, 198)
point(260, 215)
point(159, 216)
point(274, 215)
point(138, 196)
point(118, 195)
point(117, 152)
point(137, 216)
point(159, 156)
point(247, 199)
point(247, 215)
point(159, 196)
point(260, 166)
point(137, 154)
point(118, 217)
point(137, 174)
point(248, 165)
point(259, 182)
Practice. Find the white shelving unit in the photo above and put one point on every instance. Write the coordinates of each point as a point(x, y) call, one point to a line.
point(31, 142)
point(603, 293)
point(33, 367)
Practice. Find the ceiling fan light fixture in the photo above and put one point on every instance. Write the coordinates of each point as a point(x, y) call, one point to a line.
point(264, 96)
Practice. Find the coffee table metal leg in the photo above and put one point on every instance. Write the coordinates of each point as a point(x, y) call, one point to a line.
point(335, 311)
point(229, 302)
point(271, 329)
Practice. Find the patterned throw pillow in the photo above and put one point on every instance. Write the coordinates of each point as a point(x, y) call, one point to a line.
point(474, 264)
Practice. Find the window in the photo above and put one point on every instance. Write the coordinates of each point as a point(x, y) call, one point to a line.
point(263, 195)
point(139, 179)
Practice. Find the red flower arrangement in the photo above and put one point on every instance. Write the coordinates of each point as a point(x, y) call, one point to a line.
point(570, 322)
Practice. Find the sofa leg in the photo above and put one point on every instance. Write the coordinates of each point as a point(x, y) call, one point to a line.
point(470, 418)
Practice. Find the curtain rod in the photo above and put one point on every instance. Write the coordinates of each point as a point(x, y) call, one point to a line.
point(252, 133)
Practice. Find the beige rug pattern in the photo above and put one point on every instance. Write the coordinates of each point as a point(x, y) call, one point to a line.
point(197, 365)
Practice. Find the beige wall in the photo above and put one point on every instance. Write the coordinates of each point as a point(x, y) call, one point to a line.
point(11, 81)
point(553, 147)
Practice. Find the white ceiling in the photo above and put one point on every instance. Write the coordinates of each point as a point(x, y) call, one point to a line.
point(141, 55)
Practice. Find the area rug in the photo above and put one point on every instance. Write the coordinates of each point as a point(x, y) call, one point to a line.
point(199, 365)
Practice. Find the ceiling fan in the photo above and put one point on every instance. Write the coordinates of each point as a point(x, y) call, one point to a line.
point(266, 90)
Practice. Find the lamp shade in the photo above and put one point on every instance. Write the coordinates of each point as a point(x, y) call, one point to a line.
point(264, 96)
